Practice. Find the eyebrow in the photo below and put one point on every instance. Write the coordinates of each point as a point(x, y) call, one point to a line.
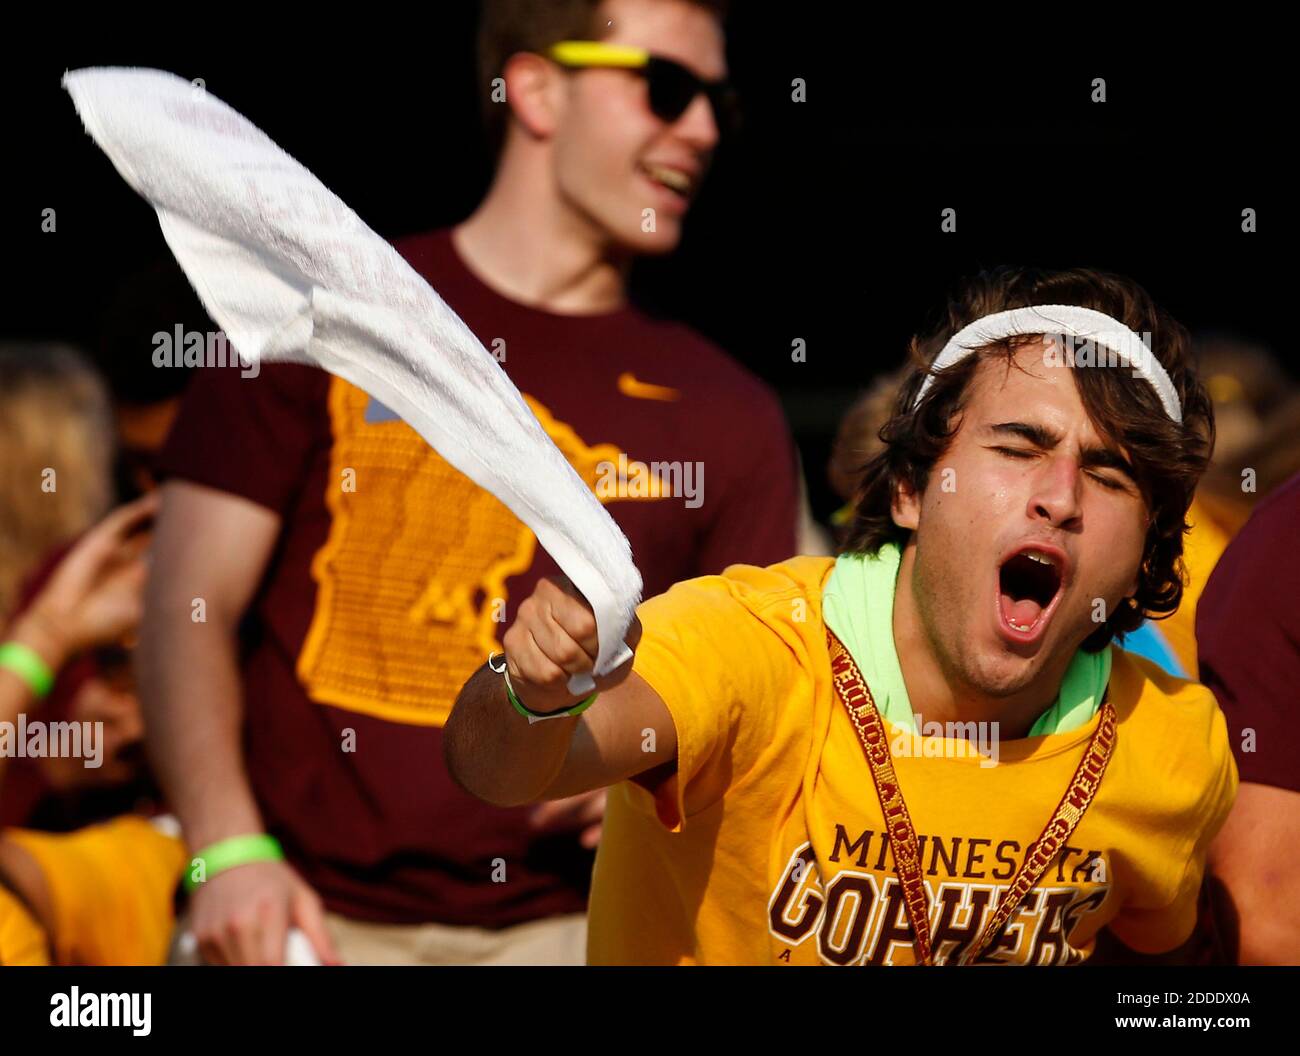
point(1042, 437)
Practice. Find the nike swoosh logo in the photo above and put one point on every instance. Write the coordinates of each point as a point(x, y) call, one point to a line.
point(628, 385)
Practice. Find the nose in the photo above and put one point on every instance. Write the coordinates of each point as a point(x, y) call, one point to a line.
point(698, 124)
point(1055, 495)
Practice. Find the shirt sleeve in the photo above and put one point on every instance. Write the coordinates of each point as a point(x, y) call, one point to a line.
point(249, 436)
point(111, 889)
point(1163, 928)
point(722, 672)
point(756, 518)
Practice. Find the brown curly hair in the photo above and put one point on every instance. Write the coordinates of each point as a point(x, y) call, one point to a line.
point(1168, 457)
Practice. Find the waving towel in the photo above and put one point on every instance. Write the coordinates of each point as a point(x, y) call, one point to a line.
point(292, 274)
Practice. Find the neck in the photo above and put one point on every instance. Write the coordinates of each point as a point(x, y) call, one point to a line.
point(530, 244)
point(938, 692)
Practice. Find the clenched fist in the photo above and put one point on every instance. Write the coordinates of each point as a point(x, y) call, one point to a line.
point(553, 637)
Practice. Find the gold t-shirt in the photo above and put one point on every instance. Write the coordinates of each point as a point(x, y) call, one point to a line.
point(766, 847)
point(111, 889)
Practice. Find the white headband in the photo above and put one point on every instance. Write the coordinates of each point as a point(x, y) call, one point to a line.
point(1098, 327)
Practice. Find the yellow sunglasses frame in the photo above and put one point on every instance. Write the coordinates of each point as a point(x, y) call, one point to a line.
point(598, 53)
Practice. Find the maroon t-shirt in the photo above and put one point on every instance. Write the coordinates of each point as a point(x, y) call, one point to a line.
point(1248, 640)
point(394, 576)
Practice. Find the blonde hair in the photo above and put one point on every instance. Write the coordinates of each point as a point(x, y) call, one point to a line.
point(56, 474)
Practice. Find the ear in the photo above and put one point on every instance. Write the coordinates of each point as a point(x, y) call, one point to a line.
point(906, 507)
point(534, 92)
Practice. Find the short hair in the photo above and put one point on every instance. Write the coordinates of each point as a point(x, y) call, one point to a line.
point(508, 27)
point(1168, 457)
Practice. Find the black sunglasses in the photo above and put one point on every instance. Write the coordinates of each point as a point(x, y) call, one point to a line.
point(672, 87)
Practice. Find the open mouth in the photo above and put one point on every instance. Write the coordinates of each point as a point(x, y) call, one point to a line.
point(1029, 585)
point(676, 181)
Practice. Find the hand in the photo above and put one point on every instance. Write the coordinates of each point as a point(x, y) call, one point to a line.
point(582, 814)
point(96, 595)
point(243, 916)
point(553, 637)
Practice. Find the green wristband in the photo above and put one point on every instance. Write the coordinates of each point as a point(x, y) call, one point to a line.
point(26, 663)
point(535, 716)
point(237, 850)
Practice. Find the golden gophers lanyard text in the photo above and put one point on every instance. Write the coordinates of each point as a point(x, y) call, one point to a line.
point(857, 700)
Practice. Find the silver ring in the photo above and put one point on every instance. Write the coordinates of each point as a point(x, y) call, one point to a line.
point(499, 670)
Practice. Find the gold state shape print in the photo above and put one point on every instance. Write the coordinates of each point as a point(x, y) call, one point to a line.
point(411, 582)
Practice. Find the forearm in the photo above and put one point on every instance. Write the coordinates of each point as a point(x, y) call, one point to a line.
point(192, 701)
point(16, 695)
point(494, 753)
point(1254, 861)
point(1257, 910)
point(18, 870)
point(15, 698)
point(22, 875)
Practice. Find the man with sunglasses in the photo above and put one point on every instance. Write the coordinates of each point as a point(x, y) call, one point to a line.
point(365, 606)
point(594, 133)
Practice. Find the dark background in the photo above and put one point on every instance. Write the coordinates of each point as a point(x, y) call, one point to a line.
point(820, 221)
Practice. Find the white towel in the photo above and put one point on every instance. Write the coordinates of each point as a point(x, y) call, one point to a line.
point(290, 273)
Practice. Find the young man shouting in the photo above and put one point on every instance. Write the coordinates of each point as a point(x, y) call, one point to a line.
point(774, 802)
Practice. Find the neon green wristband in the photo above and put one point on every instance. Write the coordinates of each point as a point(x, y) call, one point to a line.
point(237, 850)
point(538, 716)
point(26, 663)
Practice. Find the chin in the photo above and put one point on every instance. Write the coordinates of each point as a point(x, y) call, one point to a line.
point(656, 243)
point(660, 246)
point(1001, 676)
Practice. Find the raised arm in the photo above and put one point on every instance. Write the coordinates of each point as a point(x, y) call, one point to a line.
point(493, 752)
point(92, 598)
